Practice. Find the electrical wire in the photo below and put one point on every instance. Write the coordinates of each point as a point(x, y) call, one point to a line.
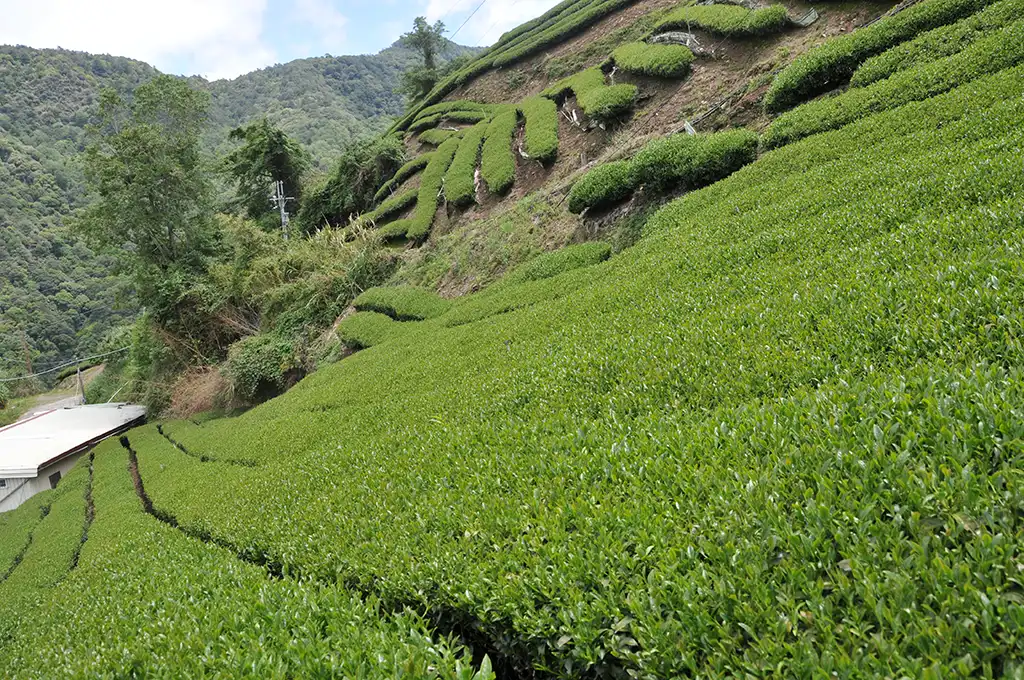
point(471, 15)
point(65, 365)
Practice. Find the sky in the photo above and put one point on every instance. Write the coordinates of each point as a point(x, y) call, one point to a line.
point(226, 38)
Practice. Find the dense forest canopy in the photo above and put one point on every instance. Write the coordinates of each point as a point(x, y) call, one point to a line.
point(57, 294)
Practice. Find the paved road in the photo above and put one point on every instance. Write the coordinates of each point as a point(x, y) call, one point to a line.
point(52, 401)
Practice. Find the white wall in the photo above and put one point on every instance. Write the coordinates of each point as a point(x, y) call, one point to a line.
point(20, 490)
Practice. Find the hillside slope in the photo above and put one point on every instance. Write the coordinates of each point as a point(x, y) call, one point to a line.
point(779, 436)
point(55, 289)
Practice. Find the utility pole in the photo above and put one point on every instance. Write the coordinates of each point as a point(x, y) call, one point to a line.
point(81, 384)
point(280, 202)
point(28, 353)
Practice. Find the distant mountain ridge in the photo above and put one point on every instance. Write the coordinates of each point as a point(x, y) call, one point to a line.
point(56, 290)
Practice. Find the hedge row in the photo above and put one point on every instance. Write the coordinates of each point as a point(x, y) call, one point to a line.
point(834, 63)
point(558, 262)
point(460, 182)
point(601, 102)
point(418, 225)
point(780, 436)
point(404, 173)
point(679, 162)
point(453, 116)
point(390, 207)
point(363, 330)
point(999, 50)
point(450, 107)
point(731, 20)
point(566, 20)
point(149, 601)
point(436, 136)
point(937, 43)
point(603, 186)
point(659, 61)
point(17, 525)
point(402, 303)
point(497, 162)
point(540, 138)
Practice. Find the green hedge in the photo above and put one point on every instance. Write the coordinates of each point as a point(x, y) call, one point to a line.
point(604, 185)
point(1000, 50)
point(558, 262)
point(541, 136)
point(497, 163)
point(404, 173)
point(689, 161)
point(834, 63)
point(436, 137)
point(937, 43)
point(599, 101)
point(363, 330)
point(402, 303)
point(460, 182)
point(729, 20)
point(418, 226)
point(659, 61)
point(449, 107)
point(678, 162)
point(390, 207)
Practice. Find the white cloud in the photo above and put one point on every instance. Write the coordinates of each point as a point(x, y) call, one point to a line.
point(214, 38)
point(321, 22)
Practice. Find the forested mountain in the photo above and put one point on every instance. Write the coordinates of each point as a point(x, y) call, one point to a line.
point(61, 295)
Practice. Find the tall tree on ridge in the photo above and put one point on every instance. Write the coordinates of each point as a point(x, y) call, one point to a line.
point(267, 155)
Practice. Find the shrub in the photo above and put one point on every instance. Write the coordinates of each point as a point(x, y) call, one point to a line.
point(937, 43)
point(455, 116)
point(403, 173)
point(437, 137)
point(659, 61)
point(460, 182)
point(497, 164)
point(595, 98)
point(392, 206)
point(5, 395)
point(1000, 50)
point(604, 185)
point(363, 330)
point(689, 161)
point(448, 107)
point(728, 19)
point(541, 135)
point(834, 62)
point(402, 303)
point(430, 190)
point(260, 367)
point(560, 261)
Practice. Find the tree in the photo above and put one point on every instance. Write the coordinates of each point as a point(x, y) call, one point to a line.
point(429, 41)
point(145, 168)
point(267, 155)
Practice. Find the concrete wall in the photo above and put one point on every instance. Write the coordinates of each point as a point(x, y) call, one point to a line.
point(20, 490)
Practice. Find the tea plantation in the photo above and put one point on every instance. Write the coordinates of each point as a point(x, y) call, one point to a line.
point(780, 436)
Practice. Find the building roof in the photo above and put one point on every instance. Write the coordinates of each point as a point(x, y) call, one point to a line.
point(33, 444)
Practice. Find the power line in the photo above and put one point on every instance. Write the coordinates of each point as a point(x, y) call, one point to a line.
point(65, 365)
point(472, 14)
point(496, 22)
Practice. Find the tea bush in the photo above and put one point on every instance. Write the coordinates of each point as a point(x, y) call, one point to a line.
point(559, 261)
point(938, 42)
point(731, 20)
point(497, 164)
point(16, 527)
point(403, 173)
point(396, 204)
point(149, 601)
point(418, 226)
point(541, 134)
point(603, 186)
point(366, 329)
point(689, 161)
point(437, 137)
point(455, 116)
point(598, 100)
point(659, 61)
point(1001, 49)
point(402, 303)
point(834, 62)
point(460, 182)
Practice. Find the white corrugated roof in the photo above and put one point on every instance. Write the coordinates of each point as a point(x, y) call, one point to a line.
point(33, 443)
